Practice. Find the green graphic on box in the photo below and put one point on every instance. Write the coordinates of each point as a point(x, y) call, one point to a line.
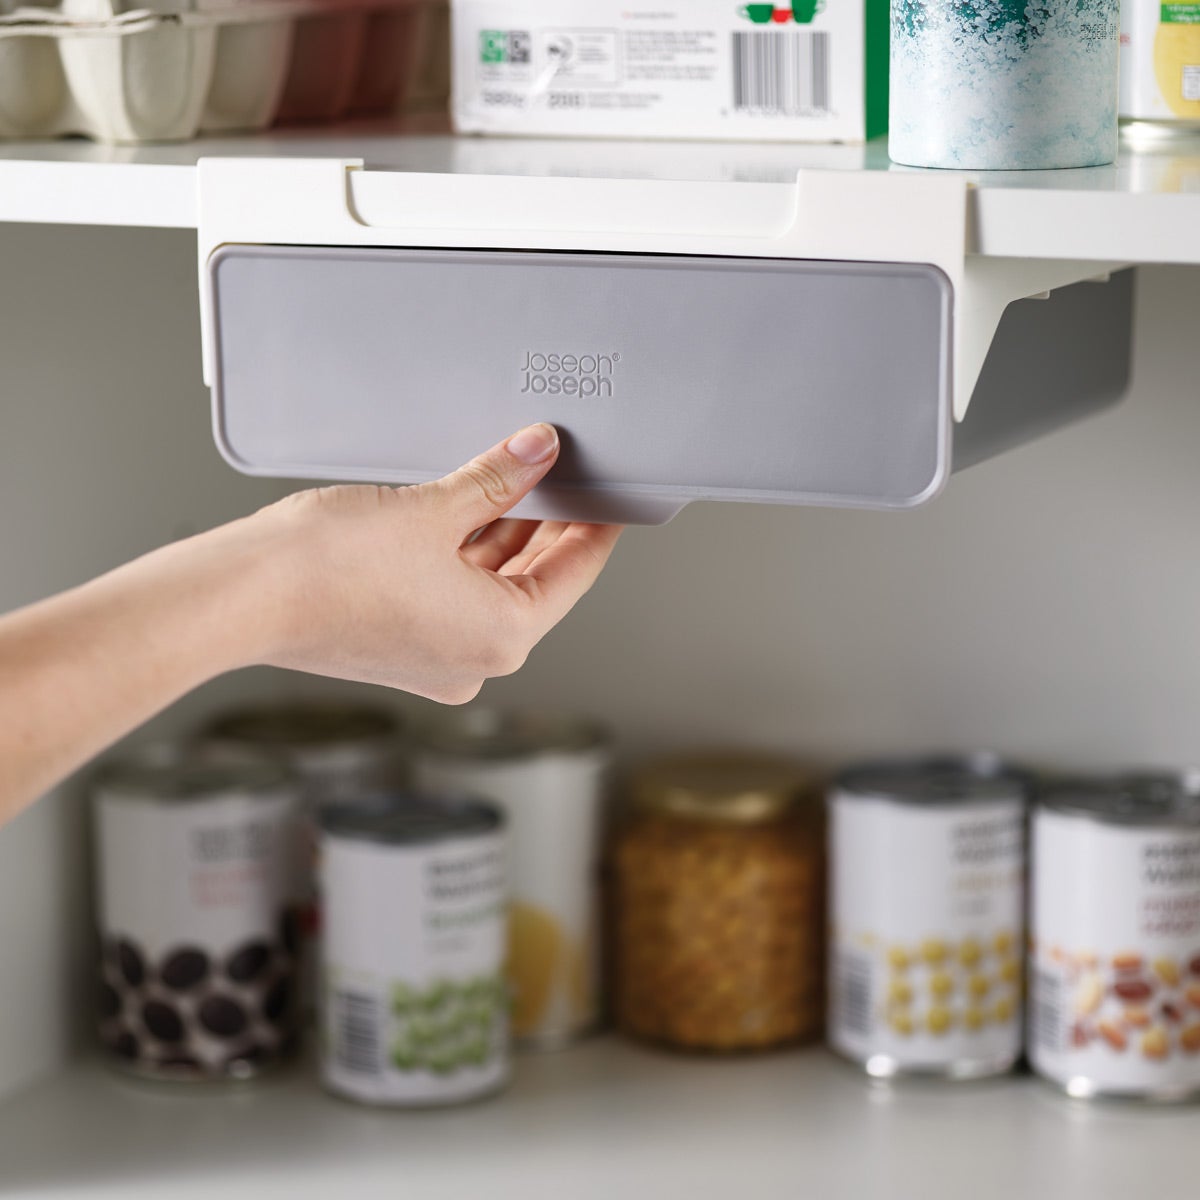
point(493, 45)
point(801, 11)
point(1180, 14)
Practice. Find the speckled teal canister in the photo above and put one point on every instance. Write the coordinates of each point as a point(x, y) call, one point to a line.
point(1003, 84)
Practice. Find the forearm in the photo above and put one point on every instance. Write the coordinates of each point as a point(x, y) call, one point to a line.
point(82, 669)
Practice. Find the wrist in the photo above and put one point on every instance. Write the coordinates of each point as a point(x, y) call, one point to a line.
point(225, 597)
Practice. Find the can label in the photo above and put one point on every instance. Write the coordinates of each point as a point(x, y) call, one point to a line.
point(554, 810)
point(1160, 60)
point(1115, 956)
point(198, 931)
point(413, 1001)
point(926, 909)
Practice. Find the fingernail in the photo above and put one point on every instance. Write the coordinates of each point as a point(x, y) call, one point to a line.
point(533, 444)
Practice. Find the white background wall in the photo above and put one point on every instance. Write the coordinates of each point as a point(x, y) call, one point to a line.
point(1046, 605)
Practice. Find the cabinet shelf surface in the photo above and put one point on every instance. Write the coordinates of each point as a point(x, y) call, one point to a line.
point(600, 1120)
point(1144, 208)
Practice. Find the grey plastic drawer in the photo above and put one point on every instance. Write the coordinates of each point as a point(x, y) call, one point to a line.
point(671, 379)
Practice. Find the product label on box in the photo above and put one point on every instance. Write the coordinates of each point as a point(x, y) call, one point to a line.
point(925, 951)
point(1115, 961)
point(714, 68)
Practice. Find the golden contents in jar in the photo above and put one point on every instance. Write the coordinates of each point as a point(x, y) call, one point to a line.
point(969, 953)
point(899, 958)
point(719, 932)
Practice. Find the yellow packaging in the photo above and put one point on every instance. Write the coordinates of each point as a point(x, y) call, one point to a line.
point(1160, 62)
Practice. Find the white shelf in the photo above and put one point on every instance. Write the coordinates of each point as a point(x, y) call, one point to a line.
point(1144, 208)
point(602, 1121)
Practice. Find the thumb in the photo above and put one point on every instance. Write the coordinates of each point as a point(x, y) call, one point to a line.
point(488, 486)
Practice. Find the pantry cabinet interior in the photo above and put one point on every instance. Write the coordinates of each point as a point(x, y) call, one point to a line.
point(1043, 606)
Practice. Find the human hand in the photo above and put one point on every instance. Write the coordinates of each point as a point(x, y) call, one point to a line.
point(389, 585)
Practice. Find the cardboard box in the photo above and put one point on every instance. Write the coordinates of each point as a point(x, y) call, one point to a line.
point(812, 71)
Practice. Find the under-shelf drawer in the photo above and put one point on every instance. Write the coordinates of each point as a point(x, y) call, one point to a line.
point(671, 378)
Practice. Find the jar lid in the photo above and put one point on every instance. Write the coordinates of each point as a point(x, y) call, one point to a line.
point(487, 734)
point(408, 817)
point(733, 788)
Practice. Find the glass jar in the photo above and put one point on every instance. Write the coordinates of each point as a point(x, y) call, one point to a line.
point(718, 896)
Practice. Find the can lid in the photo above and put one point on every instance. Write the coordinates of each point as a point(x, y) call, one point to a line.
point(159, 776)
point(732, 788)
point(944, 779)
point(289, 727)
point(407, 817)
point(1145, 798)
point(489, 735)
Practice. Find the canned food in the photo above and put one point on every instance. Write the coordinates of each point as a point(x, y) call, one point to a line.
point(718, 889)
point(336, 752)
point(548, 774)
point(928, 866)
point(334, 749)
point(413, 1000)
point(1114, 1006)
point(196, 869)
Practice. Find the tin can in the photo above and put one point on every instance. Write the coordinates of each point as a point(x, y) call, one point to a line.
point(1114, 1005)
point(413, 999)
point(1003, 85)
point(336, 752)
point(926, 907)
point(549, 775)
point(196, 869)
point(1160, 66)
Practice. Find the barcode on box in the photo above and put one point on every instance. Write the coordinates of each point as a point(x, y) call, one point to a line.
point(356, 1033)
point(783, 73)
point(1046, 1018)
point(854, 993)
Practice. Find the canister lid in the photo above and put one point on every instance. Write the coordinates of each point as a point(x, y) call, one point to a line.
point(407, 817)
point(1136, 798)
point(729, 788)
point(489, 735)
point(157, 776)
point(949, 779)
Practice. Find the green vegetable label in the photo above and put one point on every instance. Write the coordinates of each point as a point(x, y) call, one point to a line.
point(1187, 13)
point(449, 1025)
